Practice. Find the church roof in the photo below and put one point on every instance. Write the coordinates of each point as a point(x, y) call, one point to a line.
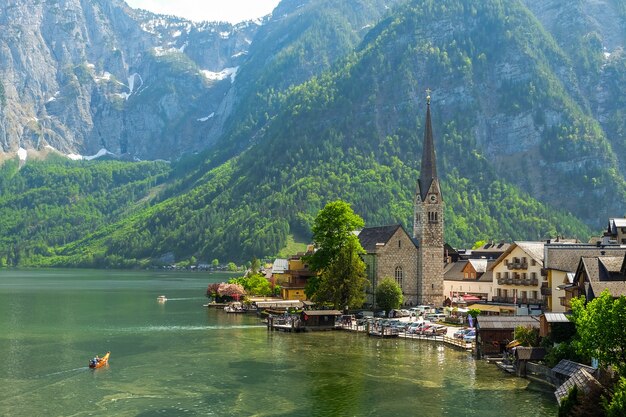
point(428, 169)
point(371, 236)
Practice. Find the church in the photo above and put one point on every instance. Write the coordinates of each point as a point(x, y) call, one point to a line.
point(415, 262)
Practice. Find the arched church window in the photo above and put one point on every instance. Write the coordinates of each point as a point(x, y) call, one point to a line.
point(399, 276)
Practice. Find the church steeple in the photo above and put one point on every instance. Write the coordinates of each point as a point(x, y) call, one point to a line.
point(428, 223)
point(428, 170)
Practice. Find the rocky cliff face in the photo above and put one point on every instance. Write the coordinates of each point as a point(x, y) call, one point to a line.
point(78, 76)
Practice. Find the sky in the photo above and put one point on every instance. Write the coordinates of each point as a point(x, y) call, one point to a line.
point(233, 11)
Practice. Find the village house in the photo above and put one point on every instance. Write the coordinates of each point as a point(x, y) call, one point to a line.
point(517, 276)
point(596, 274)
point(468, 280)
point(556, 324)
point(561, 260)
point(293, 278)
point(495, 332)
point(615, 232)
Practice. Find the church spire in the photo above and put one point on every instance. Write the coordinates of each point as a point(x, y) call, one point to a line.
point(428, 170)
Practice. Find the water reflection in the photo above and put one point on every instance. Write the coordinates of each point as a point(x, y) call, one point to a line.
point(179, 358)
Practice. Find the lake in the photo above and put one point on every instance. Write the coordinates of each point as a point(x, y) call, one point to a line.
point(179, 358)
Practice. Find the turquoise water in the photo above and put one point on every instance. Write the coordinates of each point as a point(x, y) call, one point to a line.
point(181, 359)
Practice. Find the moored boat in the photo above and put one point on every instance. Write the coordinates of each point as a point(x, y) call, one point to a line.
point(234, 307)
point(97, 362)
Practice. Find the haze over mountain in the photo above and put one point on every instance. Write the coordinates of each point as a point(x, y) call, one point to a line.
point(322, 100)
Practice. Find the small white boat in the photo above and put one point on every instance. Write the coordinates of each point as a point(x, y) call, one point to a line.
point(161, 299)
point(234, 307)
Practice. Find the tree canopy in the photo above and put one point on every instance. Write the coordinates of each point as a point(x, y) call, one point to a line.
point(343, 282)
point(341, 276)
point(601, 329)
point(388, 294)
point(333, 228)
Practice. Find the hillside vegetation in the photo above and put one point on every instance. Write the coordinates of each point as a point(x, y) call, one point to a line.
point(524, 151)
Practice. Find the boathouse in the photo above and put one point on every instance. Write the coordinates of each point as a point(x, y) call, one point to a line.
point(495, 332)
point(320, 319)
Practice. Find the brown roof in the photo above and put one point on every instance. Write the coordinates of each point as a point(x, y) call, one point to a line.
point(616, 288)
point(612, 264)
point(454, 272)
point(507, 322)
point(323, 313)
point(565, 257)
point(602, 268)
point(583, 379)
point(591, 267)
point(568, 368)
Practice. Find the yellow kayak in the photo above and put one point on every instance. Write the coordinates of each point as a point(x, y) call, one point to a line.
point(99, 362)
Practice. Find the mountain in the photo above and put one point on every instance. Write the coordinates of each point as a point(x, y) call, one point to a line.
point(80, 76)
point(328, 102)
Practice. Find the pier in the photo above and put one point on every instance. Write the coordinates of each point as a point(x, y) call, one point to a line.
point(285, 324)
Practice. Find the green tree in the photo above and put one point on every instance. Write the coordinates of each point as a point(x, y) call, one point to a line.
point(601, 329)
point(343, 282)
point(232, 266)
point(474, 312)
point(388, 294)
point(257, 284)
point(617, 406)
point(527, 336)
point(255, 265)
point(332, 229)
point(215, 263)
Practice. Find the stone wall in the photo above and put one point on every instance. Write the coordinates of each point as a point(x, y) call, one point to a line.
point(401, 252)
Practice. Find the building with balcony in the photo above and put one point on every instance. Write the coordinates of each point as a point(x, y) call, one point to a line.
point(561, 260)
point(596, 274)
point(517, 276)
point(294, 277)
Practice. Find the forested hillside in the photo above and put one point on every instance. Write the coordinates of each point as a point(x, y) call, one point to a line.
point(329, 106)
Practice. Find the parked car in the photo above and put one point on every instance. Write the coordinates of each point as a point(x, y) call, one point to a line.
point(461, 332)
point(436, 317)
point(420, 310)
point(437, 330)
point(364, 313)
point(425, 329)
point(470, 336)
point(415, 327)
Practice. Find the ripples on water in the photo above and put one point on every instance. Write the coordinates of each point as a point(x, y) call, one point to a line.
point(178, 358)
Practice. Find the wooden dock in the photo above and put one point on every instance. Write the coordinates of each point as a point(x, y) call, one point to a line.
point(285, 324)
point(384, 332)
